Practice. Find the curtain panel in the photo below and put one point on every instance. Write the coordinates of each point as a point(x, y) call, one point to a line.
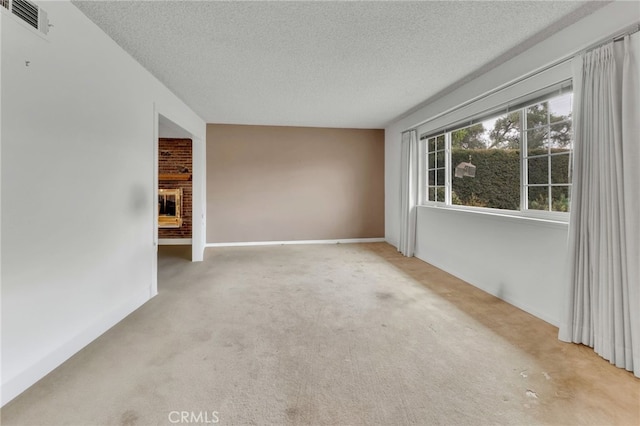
point(602, 308)
point(408, 192)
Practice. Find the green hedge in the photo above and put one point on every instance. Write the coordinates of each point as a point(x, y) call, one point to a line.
point(497, 180)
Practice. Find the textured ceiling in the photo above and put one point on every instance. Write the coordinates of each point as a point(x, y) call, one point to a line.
point(324, 64)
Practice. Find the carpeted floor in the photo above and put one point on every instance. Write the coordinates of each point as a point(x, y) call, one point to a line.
point(326, 335)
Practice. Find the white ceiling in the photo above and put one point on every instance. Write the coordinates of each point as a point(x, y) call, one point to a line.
point(324, 64)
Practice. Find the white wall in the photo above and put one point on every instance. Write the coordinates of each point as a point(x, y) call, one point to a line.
point(527, 246)
point(168, 129)
point(78, 137)
point(519, 260)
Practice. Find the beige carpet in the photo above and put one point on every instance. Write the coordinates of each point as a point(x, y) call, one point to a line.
point(326, 334)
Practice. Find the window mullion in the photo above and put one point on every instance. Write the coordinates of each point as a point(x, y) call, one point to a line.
point(423, 163)
point(524, 176)
point(447, 168)
point(549, 190)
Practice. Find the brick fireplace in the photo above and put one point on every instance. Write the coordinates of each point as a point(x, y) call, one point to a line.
point(175, 171)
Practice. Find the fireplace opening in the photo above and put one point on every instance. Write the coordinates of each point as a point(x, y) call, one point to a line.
point(169, 208)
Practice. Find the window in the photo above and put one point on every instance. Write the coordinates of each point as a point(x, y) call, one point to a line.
point(515, 160)
point(436, 168)
point(548, 139)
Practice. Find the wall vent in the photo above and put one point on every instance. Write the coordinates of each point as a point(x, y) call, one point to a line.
point(29, 13)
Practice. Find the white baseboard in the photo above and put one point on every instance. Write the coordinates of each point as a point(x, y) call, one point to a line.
point(26, 378)
point(279, 243)
point(174, 241)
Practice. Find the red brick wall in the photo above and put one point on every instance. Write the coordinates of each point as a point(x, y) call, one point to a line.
point(173, 156)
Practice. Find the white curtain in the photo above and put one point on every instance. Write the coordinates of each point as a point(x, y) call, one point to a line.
point(408, 192)
point(602, 309)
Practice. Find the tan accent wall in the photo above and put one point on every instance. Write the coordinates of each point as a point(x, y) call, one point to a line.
point(268, 183)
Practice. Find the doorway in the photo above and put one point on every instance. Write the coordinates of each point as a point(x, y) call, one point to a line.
point(181, 173)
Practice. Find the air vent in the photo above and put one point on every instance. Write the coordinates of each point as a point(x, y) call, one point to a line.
point(26, 11)
point(29, 13)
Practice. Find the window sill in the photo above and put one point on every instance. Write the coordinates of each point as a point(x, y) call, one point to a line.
point(552, 220)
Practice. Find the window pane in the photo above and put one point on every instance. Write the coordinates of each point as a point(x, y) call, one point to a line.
point(560, 135)
point(538, 170)
point(432, 177)
point(539, 198)
point(560, 107)
point(432, 160)
point(436, 193)
point(440, 142)
point(431, 144)
point(560, 168)
point(504, 131)
point(490, 151)
point(537, 142)
point(455, 199)
point(495, 183)
point(472, 137)
point(560, 199)
point(440, 177)
point(440, 159)
point(537, 115)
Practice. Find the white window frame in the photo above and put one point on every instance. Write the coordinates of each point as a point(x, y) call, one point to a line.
point(424, 168)
point(524, 211)
point(524, 175)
